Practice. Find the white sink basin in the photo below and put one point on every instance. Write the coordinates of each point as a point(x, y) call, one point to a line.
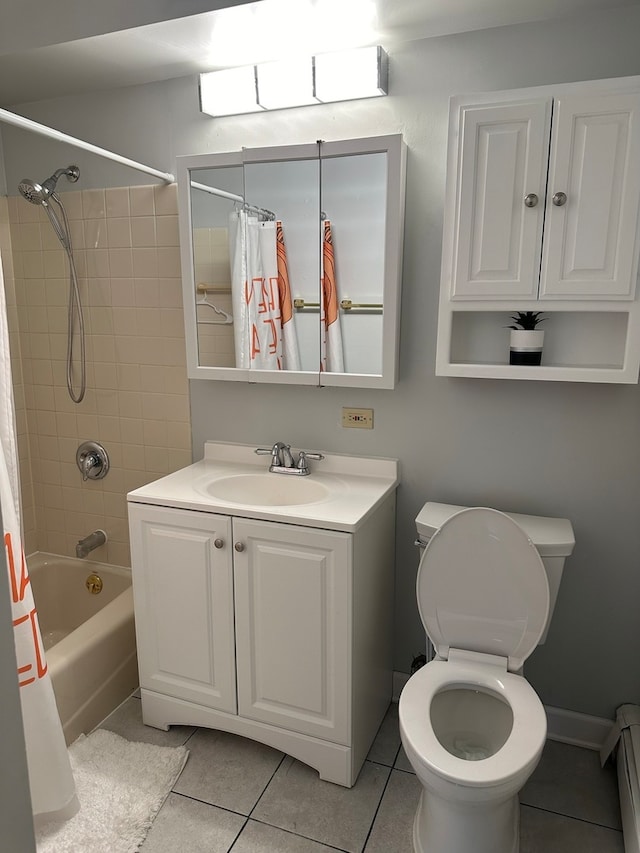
point(267, 490)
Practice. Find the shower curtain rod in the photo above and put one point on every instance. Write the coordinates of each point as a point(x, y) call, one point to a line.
point(43, 130)
point(233, 197)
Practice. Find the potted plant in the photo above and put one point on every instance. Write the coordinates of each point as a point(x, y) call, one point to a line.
point(526, 339)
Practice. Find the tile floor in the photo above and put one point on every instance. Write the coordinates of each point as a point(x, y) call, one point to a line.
point(239, 796)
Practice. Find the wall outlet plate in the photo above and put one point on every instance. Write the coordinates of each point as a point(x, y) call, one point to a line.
point(357, 418)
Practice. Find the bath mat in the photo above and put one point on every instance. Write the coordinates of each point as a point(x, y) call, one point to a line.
point(121, 786)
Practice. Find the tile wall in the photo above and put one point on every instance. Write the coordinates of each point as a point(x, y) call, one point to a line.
point(213, 279)
point(126, 250)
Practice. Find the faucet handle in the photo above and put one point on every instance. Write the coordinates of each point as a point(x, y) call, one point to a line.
point(274, 452)
point(301, 465)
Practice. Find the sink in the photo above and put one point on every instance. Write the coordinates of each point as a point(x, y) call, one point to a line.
point(267, 489)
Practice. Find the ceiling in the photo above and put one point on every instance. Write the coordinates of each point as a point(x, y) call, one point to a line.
point(253, 32)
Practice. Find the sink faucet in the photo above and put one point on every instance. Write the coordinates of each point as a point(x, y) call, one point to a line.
point(282, 461)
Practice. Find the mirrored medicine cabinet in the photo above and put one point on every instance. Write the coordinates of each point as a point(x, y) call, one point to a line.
point(291, 262)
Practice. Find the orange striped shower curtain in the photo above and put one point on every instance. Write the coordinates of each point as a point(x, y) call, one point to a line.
point(264, 335)
point(331, 354)
point(290, 353)
point(50, 779)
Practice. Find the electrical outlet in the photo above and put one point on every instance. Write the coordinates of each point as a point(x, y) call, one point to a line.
point(357, 418)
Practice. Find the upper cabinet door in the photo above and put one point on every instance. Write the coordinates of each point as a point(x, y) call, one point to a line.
point(501, 178)
point(590, 243)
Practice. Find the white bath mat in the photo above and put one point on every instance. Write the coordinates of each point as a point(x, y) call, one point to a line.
point(121, 786)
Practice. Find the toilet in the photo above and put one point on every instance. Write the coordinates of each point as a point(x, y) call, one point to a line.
point(471, 725)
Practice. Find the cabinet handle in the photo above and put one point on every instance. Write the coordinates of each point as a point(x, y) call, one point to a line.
point(530, 200)
point(219, 543)
point(239, 546)
point(559, 199)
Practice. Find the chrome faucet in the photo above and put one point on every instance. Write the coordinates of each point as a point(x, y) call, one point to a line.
point(89, 543)
point(282, 461)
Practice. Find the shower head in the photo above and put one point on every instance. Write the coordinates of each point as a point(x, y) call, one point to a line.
point(39, 193)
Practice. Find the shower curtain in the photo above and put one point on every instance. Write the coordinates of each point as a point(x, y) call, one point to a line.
point(263, 325)
point(290, 352)
point(50, 779)
point(331, 354)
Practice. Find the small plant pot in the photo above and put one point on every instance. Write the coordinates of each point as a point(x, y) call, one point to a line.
point(525, 347)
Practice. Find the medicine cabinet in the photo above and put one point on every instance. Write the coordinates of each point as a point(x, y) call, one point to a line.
point(542, 214)
point(291, 262)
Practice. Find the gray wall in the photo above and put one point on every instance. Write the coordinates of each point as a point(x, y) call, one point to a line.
point(543, 448)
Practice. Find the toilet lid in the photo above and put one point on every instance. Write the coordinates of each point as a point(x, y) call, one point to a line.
point(482, 587)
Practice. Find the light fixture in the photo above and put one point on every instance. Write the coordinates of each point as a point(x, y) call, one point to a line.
point(325, 78)
point(229, 92)
point(285, 84)
point(351, 74)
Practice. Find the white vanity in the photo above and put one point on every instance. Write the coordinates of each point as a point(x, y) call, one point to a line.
point(264, 602)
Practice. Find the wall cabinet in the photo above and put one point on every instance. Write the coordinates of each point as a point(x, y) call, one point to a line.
point(253, 312)
point(542, 213)
point(273, 631)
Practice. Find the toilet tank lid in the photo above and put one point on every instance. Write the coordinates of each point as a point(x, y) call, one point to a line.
point(553, 537)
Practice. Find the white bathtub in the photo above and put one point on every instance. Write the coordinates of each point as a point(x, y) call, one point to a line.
point(89, 639)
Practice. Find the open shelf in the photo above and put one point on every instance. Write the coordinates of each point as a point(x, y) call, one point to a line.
point(579, 345)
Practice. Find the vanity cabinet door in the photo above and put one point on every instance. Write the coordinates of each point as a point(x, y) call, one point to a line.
point(183, 594)
point(293, 588)
point(591, 228)
point(501, 170)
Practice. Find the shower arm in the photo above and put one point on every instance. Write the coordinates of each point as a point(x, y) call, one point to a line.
point(51, 133)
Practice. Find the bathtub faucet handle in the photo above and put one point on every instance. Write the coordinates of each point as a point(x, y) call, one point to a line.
point(92, 460)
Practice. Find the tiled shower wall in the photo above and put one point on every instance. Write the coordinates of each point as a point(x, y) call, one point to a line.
point(126, 249)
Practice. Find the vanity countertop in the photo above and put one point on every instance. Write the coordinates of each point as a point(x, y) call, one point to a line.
point(351, 486)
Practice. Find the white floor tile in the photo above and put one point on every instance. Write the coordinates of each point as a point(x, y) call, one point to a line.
point(298, 801)
point(545, 832)
point(393, 826)
point(226, 770)
point(569, 780)
point(262, 838)
point(188, 825)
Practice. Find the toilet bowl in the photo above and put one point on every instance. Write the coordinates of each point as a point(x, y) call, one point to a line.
point(471, 725)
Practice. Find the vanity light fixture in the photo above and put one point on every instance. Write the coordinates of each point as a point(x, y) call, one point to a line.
point(328, 77)
point(229, 92)
point(285, 84)
point(351, 74)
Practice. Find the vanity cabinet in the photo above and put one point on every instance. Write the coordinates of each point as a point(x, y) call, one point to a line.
point(542, 214)
point(277, 632)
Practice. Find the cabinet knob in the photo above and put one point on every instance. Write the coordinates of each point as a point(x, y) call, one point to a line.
point(239, 546)
point(530, 200)
point(559, 199)
point(219, 543)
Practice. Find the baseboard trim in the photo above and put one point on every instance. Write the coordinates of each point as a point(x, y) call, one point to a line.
point(566, 726)
point(576, 728)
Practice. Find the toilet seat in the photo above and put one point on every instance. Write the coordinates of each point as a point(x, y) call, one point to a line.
point(523, 745)
point(482, 587)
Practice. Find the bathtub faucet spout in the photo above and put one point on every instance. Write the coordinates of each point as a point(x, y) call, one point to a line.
point(90, 542)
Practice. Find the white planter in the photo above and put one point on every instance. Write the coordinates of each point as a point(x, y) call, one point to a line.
point(525, 346)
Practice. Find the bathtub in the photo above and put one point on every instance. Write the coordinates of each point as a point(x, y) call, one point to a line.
point(89, 639)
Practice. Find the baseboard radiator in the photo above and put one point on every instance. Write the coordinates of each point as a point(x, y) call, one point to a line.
point(623, 744)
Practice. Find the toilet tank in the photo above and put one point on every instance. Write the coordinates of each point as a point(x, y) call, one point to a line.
point(553, 538)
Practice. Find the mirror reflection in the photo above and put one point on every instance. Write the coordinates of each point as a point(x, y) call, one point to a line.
point(288, 262)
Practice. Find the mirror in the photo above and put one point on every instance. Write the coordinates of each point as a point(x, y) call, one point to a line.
point(291, 262)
